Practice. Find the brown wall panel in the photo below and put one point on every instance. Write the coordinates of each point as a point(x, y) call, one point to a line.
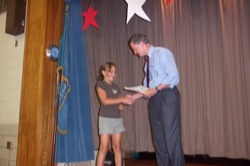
point(44, 21)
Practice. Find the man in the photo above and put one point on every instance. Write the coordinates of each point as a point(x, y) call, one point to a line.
point(164, 100)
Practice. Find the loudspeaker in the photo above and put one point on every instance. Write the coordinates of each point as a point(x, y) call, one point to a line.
point(15, 17)
point(3, 6)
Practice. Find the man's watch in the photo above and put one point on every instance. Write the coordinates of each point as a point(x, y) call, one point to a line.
point(157, 90)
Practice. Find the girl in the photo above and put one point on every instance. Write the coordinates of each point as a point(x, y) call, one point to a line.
point(110, 121)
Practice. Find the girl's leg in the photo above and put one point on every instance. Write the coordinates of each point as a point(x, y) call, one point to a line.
point(116, 145)
point(104, 144)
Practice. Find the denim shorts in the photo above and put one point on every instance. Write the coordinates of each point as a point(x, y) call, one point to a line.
point(110, 125)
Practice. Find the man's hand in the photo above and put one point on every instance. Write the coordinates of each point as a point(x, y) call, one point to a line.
point(149, 93)
point(153, 91)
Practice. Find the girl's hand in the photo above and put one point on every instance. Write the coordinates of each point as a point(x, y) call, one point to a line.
point(128, 100)
point(121, 107)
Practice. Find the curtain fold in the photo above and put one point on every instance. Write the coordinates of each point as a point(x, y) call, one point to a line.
point(210, 41)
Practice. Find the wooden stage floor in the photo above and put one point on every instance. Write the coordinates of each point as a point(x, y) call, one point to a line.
point(148, 159)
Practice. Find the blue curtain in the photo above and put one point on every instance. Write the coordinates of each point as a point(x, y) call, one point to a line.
point(74, 139)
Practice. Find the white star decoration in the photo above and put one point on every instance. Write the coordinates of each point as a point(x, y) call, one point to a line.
point(135, 7)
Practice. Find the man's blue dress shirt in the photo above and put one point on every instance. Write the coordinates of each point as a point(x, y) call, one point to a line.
point(162, 68)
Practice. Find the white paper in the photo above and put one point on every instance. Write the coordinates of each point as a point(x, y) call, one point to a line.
point(139, 88)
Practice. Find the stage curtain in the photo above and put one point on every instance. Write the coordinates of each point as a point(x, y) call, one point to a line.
point(210, 40)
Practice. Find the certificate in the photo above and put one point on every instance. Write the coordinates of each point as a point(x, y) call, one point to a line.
point(139, 88)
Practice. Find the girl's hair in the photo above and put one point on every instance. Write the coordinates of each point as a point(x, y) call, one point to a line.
point(105, 66)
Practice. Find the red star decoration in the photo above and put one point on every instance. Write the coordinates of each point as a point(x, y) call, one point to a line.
point(89, 18)
point(168, 2)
